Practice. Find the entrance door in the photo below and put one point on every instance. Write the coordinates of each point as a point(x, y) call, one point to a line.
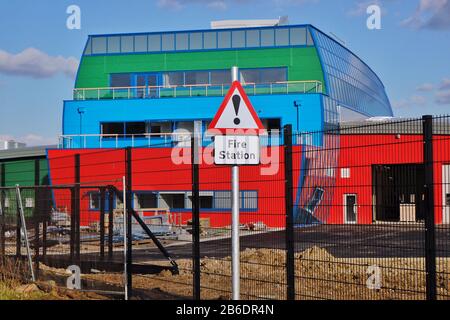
point(350, 208)
point(153, 83)
point(446, 193)
point(147, 85)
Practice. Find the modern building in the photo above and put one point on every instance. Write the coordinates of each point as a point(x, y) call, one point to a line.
point(139, 90)
point(25, 167)
point(10, 144)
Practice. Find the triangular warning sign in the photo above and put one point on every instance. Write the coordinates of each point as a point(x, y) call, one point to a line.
point(236, 113)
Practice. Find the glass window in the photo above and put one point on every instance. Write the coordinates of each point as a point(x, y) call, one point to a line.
point(220, 77)
point(94, 201)
point(135, 128)
point(127, 44)
point(273, 75)
point(159, 129)
point(249, 199)
point(253, 39)
point(238, 39)
point(145, 201)
point(224, 39)
point(282, 37)
point(309, 40)
point(113, 128)
point(182, 41)
point(298, 36)
point(196, 77)
point(99, 45)
point(210, 40)
point(113, 44)
point(222, 200)
point(154, 42)
point(168, 42)
point(196, 41)
point(250, 76)
point(267, 38)
point(173, 79)
point(140, 43)
point(121, 80)
point(206, 202)
point(88, 47)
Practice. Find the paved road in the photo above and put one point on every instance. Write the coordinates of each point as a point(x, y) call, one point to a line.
point(342, 241)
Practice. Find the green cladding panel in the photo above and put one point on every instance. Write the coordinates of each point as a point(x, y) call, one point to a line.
point(302, 63)
point(22, 172)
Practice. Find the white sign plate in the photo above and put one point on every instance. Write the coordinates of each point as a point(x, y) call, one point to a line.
point(236, 150)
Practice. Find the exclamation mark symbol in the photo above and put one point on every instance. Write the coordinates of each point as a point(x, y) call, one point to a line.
point(236, 103)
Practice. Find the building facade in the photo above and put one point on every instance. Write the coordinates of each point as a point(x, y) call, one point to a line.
point(150, 91)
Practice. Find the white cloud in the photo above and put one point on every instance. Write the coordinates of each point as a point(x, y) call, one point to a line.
point(443, 97)
point(30, 139)
point(34, 63)
point(430, 14)
point(180, 4)
point(360, 8)
point(445, 84)
point(425, 87)
point(412, 101)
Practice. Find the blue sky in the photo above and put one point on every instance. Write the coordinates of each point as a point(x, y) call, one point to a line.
point(39, 55)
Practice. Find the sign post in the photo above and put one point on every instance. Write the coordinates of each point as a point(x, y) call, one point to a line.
point(237, 145)
point(235, 245)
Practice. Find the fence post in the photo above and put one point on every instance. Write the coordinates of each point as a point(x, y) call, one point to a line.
point(290, 259)
point(2, 213)
point(195, 218)
point(102, 224)
point(110, 222)
point(127, 215)
point(77, 209)
point(18, 230)
point(37, 212)
point(430, 236)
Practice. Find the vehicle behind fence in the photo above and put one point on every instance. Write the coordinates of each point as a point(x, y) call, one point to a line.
point(357, 211)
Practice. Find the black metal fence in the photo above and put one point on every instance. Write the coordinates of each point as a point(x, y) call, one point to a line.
point(359, 211)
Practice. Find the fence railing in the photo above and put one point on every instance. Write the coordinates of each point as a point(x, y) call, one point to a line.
point(364, 214)
point(201, 90)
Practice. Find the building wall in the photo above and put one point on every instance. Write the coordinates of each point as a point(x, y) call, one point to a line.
point(22, 172)
point(153, 170)
point(302, 63)
point(310, 113)
point(360, 152)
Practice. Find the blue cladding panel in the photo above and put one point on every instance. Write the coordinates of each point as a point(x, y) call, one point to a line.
point(186, 109)
point(349, 80)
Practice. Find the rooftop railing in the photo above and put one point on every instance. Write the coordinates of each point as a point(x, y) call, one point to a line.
point(204, 90)
point(114, 141)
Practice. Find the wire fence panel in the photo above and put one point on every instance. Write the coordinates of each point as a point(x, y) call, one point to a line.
point(359, 211)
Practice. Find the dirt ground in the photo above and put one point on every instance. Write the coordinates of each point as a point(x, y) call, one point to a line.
point(319, 275)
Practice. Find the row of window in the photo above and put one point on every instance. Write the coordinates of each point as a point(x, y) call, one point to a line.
point(161, 129)
point(200, 40)
point(179, 200)
point(351, 82)
point(185, 78)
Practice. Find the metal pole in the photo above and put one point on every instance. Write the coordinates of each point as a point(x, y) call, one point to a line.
point(235, 250)
point(125, 238)
point(290, 259)
point(195, 218)
point(128, 215)
point(24, 230)
point(430, 236)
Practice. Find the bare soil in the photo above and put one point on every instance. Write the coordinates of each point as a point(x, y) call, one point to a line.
point(319, 275)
